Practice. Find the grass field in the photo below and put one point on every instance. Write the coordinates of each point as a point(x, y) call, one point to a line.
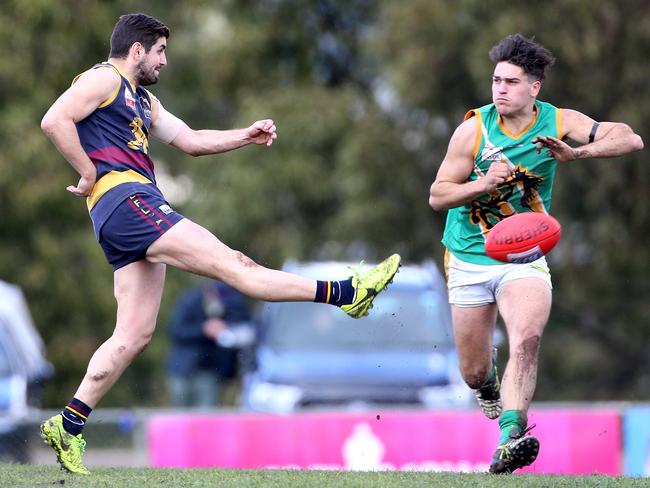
point(41, 476)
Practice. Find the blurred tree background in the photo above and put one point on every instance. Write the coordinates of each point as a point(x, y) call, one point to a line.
point(365, 94)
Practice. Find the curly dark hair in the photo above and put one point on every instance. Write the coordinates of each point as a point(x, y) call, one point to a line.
point(526, 53)
point(131, 28)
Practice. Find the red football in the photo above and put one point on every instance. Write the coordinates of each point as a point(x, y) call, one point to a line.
point(523, 237)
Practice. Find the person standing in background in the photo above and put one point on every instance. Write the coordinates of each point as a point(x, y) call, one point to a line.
point(203, 356)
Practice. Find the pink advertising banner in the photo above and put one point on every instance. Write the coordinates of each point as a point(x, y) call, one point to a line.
point(572, 441)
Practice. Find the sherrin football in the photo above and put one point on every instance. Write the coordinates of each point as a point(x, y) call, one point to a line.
point(523, 237)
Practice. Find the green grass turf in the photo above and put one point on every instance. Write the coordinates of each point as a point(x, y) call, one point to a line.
point(12, 475)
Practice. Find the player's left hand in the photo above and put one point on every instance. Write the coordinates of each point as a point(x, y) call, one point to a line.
point(556, 148)
point(84, 187)
point(262, 132)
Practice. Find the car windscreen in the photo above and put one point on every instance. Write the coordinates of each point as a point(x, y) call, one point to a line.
point(402, 320)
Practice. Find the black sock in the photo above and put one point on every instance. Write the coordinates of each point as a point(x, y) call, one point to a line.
point(75, 415)
point(335, 292)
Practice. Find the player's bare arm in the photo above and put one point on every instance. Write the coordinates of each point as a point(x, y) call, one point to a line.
point(451, 187)
point(76, 103)
point(608, 139)
point(202, 142)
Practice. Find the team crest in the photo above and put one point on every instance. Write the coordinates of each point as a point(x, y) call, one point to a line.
point(140, 141)
point(522, 187)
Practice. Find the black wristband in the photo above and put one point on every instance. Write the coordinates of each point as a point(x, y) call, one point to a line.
point(592, 134)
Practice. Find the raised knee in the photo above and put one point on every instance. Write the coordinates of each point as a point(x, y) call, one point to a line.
point(244, 260)
point(237, 270)
point(475, 378)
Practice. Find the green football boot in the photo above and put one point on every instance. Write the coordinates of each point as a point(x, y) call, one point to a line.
point(369, 284)
point(68, 448)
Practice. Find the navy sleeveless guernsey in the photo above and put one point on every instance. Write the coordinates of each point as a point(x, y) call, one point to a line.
point(116, 138)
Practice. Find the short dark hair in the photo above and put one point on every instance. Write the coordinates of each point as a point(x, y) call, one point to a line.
point(526, 53)
point(131, 28)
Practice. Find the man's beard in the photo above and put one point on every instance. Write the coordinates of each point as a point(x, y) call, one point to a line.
point(145, 78)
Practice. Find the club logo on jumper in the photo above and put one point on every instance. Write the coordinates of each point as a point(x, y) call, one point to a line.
point(521, 188)
point(166, 209)
point(128, 98)
point(141, 142)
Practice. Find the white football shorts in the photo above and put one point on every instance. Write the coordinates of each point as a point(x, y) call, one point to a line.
point(472, 285)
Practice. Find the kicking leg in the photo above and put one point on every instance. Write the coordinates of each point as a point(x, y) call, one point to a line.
point(192, 248)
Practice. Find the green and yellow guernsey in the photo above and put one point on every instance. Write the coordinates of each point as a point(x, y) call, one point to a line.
point(527, 190)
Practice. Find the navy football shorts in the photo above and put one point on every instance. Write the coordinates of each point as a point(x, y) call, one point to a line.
point(134, 225)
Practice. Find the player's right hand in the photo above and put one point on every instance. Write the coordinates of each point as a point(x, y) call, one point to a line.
point(497, 174)
point(84, 187)
point(262, 132)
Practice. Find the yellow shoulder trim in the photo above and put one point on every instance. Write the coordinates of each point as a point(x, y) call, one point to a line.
point(111, 180)
point(479, 132)
point(119, 72)
point(113, 96)
point(558, 121)
point(469, 114)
